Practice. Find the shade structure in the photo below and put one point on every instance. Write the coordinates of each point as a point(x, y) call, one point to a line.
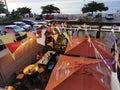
point(13, 46)
point(82, 47)
point(75, 73)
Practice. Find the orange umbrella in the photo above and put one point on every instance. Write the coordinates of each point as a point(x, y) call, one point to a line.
point(82, 47)
point(75, 73)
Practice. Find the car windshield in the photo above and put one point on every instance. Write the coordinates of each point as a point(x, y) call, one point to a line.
point(21, 24)
point(29, 22)
point(17, 28)
point(110, 14)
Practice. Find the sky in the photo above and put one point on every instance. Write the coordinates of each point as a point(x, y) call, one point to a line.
point(36, 4)
point(54, 0)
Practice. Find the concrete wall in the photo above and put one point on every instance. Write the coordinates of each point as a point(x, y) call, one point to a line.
point(24, 55)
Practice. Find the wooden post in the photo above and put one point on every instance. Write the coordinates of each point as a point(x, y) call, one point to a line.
point(98, 32)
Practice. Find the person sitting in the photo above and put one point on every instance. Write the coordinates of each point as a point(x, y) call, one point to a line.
point(39, 56)
point(52, 57)
point(52, 62)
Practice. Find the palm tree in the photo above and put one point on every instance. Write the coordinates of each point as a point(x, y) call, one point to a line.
point(48, 9)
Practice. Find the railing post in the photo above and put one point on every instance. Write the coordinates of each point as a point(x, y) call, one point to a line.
point(98, 32)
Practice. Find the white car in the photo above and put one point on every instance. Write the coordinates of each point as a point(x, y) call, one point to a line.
point(39, 24)
point(109, 16)
point(23, 25)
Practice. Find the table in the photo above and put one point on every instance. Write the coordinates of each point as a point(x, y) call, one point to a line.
point(9, 88)
point(45, 59)
point(30, 69)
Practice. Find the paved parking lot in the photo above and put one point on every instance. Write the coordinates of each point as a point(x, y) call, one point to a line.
point(115, 20)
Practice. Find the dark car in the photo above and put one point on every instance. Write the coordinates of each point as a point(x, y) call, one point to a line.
point(49, 17)
point(29, 22)
point(38, 17)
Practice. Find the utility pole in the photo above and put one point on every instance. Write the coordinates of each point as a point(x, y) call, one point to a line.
point(6, 5)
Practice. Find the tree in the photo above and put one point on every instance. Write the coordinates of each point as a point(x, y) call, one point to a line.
point(50, 9)
point(101, 7)
point(24, 10)
point(94, 7)
point(14, 14)
point(2, 8)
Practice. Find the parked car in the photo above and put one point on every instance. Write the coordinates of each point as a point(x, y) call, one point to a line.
point(29, 22)
point(48, 17)
point(109, 16)
point(39, 24)
point(23, 25)
point(13, 29)
point(38, 17)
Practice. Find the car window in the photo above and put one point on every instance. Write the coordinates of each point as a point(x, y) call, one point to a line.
point(110, 14)
point(15, 27)
point(20, 24)
point(10, 28)
point(7, 28)
point(23, 24)
point(29, 22)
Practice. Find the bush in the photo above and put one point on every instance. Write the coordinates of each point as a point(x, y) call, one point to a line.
point(85, 19)
point(88, 19)
point(9, 20)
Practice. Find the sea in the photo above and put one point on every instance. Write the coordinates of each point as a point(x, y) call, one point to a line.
point(65, 6)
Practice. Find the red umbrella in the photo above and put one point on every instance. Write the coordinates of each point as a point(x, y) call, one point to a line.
point(75, 73)
point(82, 47)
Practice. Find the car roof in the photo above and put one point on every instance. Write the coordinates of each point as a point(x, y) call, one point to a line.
point(42, 22)
point(18, 22)
point(48, 20)
point(27, 20)
point(10, 25)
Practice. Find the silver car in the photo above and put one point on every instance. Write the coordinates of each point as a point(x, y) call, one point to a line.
point(13, 28)
point(39, 24)
point(23, 25)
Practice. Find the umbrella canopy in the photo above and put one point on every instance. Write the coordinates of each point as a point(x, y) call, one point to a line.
point(75, 73)
point(82, 47)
